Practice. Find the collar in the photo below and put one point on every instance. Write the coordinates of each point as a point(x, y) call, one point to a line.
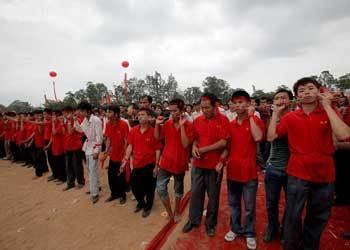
point(301, 112)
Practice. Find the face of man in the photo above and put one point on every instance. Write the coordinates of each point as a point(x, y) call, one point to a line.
point(263, 104)
point(281, 99)
point(110, 114)
point(68, 114)
point(231, 106)
point(240, 104)
point(144, 103)
point(83, 113)
point(307, 93)
point(189, 109)
point(207, 109)
point(175, 112)
point(143, 117)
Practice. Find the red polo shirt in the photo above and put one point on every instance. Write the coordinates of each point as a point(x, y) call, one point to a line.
point(19, 135)
point(311, 145)
point(118, 136)
point(57, 143)
point(175, 157)
point(47, 129)
point(208, 132)
point(2, 129)
point(144, 146)
point(72, 141)
point(29, 129)
point(39, 136)
point(241, 165)
point(346, 117)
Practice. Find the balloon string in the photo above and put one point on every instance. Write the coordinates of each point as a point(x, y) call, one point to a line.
point(54, 90)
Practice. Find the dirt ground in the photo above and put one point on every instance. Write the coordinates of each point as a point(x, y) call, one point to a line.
point(36, 214)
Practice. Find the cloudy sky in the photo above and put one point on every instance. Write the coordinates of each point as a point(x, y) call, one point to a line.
point(266, 43)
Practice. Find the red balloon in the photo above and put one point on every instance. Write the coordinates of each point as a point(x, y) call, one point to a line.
point(53, 74)
point(125, 64)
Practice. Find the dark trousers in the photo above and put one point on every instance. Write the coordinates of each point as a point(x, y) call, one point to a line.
point(40, 162)
point(275, 180)
point(74, 168)
point(116, 180)
point(143, 185)
point(15, 151)
point(2, 148)
point(235, 191)
point(58, 167)
point(318, 199)
point(204, 181)
point(342, 171)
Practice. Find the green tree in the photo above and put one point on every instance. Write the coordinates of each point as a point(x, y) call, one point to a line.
point(344, 82)
point(80, 95)
point(216, 86)
point(19, 106)
point(192, 94)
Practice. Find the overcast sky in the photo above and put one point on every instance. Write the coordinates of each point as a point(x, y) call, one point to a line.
point(266, 43)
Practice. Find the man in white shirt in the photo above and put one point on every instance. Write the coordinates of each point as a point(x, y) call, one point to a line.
point(92, 128)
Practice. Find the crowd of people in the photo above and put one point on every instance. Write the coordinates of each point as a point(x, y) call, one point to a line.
point(299, 141)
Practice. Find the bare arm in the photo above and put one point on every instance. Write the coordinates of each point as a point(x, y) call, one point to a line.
point(339, 128)
point(257, 133)
point(271, 131)
point(215, 146)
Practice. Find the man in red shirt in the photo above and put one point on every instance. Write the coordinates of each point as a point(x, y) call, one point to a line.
point(40, 163)
point(47, 136)
point(311, 174)
point(56, 144)
point(72, 148)
point(145, 151)
point(177, 134)
point(29, 150)
point(242, 178)
point(211, 132)
point(117, 132)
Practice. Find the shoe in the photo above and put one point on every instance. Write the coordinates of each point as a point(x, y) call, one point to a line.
point(30, 166)
point(59, 182)
point(146, 213)
point(188, 227)
point(122, 201)
point(137, 209)
point(230, 236)
point(211, 231)
point(251, 243)
point(56, 180)
point(68, 187)
point(51, 178)
point(80, 186)
point(268, 235)
point(94, 199)
point(110, 198)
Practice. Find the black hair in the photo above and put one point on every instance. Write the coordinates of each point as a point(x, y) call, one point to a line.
point(213, 98)
point(84, 105)
point(148, 111)
point(114, 108)
point(48, 110)
point(37, 111)
point(241, 93)
point(149, 98)
point(257, 101)
point(281, 90)
point(58, 112)
point(134, 106)
point(165, 102)
point(303, 81)
point(189, 105)
point(178, 102)
point(68, 108)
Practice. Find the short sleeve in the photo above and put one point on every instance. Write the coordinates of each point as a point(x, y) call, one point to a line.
point(131, 137)
point(282, 128)
point(225, 131)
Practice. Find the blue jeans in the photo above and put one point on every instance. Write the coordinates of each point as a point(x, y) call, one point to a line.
point(318, 198)
point(235, 191)
point(275, 180)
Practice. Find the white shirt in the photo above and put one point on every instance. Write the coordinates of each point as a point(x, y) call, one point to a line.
point(92, 129)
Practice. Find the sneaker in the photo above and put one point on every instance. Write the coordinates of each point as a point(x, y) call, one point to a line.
point(51, 178)
point(94, 199)
point(68, 187)
point(251, 243)
point(110, 198)
point(188, 227)
point(146, 213)
point(122, 201)
point(211, 231)
point(230, 236)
